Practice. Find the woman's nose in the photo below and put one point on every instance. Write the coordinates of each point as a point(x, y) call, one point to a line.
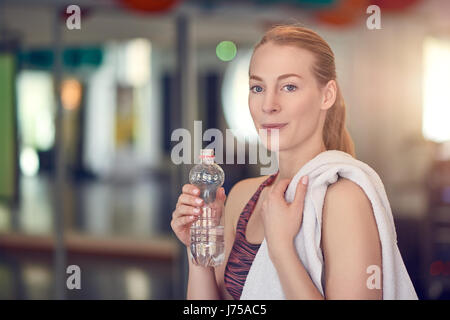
point(270, 104)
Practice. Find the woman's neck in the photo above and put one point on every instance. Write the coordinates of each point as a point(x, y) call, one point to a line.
point(290, 161)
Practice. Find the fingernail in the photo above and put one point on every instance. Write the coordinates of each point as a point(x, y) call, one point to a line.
point(196, 191)
point(199, 201)
point(305, 180)
point(197, 210)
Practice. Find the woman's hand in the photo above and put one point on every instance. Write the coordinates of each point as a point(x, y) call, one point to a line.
point(188, 209)
point(282, 220)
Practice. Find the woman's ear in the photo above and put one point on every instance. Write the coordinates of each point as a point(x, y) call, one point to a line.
point(329, 95)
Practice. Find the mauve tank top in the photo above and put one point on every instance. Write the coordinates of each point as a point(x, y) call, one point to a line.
point(242, 254)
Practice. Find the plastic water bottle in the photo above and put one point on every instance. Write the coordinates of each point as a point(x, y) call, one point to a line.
point(207, 238)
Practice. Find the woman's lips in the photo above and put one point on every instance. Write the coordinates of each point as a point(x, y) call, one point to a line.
point(273, 126)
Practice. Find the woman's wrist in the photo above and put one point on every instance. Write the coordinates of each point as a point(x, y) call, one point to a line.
point(193, 265)
point(282, 250)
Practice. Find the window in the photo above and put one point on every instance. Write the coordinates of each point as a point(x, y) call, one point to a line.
point(436, 105)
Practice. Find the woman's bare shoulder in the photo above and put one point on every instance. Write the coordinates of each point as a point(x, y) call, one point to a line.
point(242, 189)
point(345, 190)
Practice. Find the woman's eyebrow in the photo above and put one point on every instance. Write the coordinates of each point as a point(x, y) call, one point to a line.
point(283, 76)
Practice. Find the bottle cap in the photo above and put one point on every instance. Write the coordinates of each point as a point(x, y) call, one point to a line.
point(207, 153)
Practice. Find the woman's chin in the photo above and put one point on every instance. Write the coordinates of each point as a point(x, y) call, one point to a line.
point(272, 146)
point(268, 138)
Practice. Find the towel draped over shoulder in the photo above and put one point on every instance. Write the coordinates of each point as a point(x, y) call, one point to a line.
point(262, 281)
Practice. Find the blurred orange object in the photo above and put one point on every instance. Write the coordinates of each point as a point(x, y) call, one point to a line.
point(71, 93)
point(344, 12)
point(155, 6)
point(393, 5)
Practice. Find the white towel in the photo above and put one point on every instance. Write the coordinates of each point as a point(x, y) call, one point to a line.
point(262, 281)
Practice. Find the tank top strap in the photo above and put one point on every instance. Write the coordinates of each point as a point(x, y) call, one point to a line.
point(268, 181)
point(250, 206)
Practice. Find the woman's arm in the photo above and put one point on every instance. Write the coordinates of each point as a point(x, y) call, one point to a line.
point(351, 244)
point(295, 281)
point(201, 282)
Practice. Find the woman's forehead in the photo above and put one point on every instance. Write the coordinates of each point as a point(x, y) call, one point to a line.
point(280, 59)
point(287, 58)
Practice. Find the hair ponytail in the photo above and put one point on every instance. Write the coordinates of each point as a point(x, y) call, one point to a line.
point(335, 133)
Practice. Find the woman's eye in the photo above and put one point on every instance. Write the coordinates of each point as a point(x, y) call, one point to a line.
point(256, 89)
point(290, 87)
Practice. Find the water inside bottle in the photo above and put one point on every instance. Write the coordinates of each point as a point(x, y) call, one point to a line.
point(207, 245)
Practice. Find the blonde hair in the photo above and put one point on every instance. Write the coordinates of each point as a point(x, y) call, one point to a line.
point(335, 133)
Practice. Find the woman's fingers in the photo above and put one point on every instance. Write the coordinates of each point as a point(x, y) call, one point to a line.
point(184, 210)
point(300, 192)
point(184, 215)
point(280, 188)
point(189, 205)
point(182, 221)
point(191, 189)
point(220, 194)
point(187, 199)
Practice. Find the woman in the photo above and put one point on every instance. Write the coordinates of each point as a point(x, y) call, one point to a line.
point(293, 88)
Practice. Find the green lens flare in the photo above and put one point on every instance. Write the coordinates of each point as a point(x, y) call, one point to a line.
point(226, 50)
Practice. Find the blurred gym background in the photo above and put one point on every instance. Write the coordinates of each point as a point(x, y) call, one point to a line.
point(86, 118)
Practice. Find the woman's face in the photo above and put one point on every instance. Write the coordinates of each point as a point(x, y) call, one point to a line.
point(284, 91)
